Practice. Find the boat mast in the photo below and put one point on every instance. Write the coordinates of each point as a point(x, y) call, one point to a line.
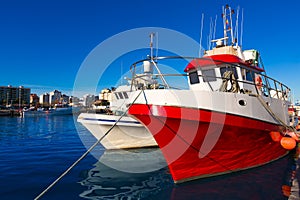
point(227, 23)
point(152, 62)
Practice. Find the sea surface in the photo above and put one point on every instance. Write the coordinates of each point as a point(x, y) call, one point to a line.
point(35, 151)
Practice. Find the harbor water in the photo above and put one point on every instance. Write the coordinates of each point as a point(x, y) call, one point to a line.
point(37, 150)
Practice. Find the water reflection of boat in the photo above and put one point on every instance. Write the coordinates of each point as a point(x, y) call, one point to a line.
point(106, 182)
point(127, 174)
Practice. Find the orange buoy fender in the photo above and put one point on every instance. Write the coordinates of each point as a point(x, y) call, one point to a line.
point(258, 82)
point(288, 143)
point(293, 135)
point(286, 190)
point(276, 136)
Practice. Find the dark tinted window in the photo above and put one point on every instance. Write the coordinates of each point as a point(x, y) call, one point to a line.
point(249, 75)
point(125, 95)
point(194, 77)
point(120, 95)
point(209, 75)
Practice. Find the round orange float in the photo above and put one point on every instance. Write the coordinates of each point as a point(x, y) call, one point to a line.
point(288, 143)
point(276, 136)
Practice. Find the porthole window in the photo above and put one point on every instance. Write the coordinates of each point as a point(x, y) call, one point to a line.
point(242, 102)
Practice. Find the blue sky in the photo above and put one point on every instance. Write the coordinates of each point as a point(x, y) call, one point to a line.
point(44, 43)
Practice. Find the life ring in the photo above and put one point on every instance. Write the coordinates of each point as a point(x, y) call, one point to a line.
point(258, 82)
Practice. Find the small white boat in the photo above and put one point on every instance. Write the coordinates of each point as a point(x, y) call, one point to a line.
point(128, 133)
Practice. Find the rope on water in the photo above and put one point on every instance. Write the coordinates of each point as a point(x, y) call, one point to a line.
point(85, 154)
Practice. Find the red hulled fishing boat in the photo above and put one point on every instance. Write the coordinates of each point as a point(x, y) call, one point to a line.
point(231, 117)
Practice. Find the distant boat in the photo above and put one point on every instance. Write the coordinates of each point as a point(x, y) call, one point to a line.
point(57, 110)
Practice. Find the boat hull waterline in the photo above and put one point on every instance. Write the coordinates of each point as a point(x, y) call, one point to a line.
point(237, 144)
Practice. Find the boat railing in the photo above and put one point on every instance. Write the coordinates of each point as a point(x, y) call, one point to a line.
point(268, 87)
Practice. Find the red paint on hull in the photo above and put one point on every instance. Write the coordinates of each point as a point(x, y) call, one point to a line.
point(201, 143)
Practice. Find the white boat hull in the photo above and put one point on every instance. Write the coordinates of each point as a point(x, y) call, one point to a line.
point(128, 133)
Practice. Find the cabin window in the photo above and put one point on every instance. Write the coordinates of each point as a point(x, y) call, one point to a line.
point(249, 75)
point(194, 78)
point(229, 68)
point(120, 95)
point(209, 75)
point(125, 95)
point(116, 95)
point(243, 72)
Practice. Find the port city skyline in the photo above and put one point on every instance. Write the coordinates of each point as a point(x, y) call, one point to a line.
point(43, 44)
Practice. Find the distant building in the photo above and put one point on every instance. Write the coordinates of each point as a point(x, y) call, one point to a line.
point(105, 94)
point(65, 99)
point(54, 97)
point(88, 100)
point(34, 99)
point(44, 100)
point(74, 100)
point(14, 96)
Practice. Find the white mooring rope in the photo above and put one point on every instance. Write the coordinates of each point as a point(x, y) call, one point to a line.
point(83, 155)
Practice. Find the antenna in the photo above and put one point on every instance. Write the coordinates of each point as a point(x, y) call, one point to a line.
point(200, 47)
point(230, 28)
point(121, 72)
point(156, 44)
point(210, 33)
point(242, 26)
point(224, 23)
point(214, 35)
point(151, 45)
point(236, 31)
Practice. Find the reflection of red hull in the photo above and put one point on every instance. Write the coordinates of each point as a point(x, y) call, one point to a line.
point(201, 143)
